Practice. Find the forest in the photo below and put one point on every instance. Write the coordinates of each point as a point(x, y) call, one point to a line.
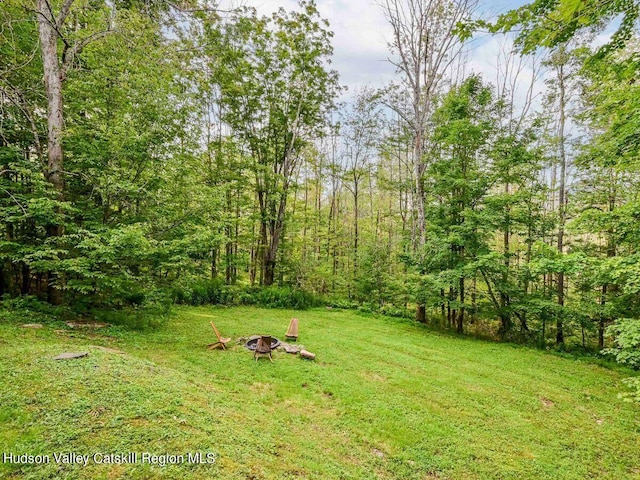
point(156, 152)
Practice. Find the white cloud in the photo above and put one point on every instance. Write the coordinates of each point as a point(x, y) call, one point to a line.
point(359, 42)
point(361, 34)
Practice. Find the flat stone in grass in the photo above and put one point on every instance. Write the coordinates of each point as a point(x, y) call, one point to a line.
point(32, 325)
point(294, 349)
point(69, 355)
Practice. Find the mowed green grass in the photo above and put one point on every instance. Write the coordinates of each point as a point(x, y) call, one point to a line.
point(384, 399)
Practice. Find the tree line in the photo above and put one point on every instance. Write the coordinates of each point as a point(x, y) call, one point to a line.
point(152, 149)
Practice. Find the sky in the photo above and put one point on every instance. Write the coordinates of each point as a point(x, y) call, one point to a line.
point(361, 35)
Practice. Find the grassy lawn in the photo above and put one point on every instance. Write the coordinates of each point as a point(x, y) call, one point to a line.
point(384, 399)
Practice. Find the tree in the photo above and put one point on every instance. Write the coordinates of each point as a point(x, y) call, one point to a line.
point(544, 23)
point(82, 224)
point(560, 64)
point(514, 204)
point(360, 128)
point(426, 42)
point(54, 29)
point(459, 180)
point(607, 186)
point(276, 91)
point(58, 24)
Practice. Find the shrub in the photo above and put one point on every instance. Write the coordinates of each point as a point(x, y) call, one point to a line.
point(626, 349)
point(200, 293)
point(215, 292)
point(147, 311)
point(28, 309)
point(393, 311)
point(282, 297)
point(343, 303)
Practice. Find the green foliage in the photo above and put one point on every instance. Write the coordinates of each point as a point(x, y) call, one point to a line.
point(457, 180)
point(342, 303)
point(375, 284)
point(197, 147)
point(626, 349)
point(276, 92)
point(545, 23)
point(28, 309)
point(203, 293)
point(634, 384)
point(215, 292)
point(281, 297)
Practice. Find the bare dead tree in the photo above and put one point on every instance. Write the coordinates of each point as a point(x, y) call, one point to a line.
point(517, 79)
point(425, 45)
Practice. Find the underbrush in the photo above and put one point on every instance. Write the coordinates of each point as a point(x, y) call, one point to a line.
point(139, 312)
point(28, 309)
point(215, 292)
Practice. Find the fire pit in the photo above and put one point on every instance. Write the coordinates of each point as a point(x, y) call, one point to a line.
point(253, 342)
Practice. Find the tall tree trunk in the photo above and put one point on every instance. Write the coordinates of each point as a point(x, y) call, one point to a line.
point(48, 37)
point(460, 319)
point(420, 193)
point(474, 299)
point(450, 312)
point(276, 229)
point(54, 170)
point(356, 214)
point(331, 246)
point(214, 263)
point(420, 201)
point(602, 320)
point(228, 247)
point(305, 221)
point(611, 252)
point(318, 204)
point(228, 253)
point(561, 197)
point(505, 318)
point(268, 262)
point(263, 243)
point(233, 266)
point(425, 40)
point(26, 279)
